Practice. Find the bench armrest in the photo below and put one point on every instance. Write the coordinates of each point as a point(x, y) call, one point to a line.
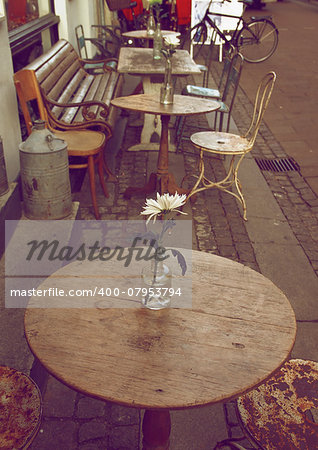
point(107, 67)
point(90, 118)
point(85, 105)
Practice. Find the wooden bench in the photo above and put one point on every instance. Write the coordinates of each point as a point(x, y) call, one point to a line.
point(67, 96)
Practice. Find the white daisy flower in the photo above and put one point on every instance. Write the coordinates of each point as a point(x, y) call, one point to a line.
point(163, 205)
point(172, 40)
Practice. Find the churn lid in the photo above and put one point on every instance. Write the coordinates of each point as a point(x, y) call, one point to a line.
point(42, 140)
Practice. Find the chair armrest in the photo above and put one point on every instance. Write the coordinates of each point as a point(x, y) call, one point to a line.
point(107, 67)
point(88, 124)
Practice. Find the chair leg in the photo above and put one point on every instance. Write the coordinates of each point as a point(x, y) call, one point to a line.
point(91, 173)
point(101, 175)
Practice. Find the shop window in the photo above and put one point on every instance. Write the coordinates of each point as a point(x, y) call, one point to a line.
point(32, 24)
point(20, 12)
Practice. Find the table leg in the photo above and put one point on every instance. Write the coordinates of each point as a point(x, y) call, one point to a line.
point(167, 180)
point(151, 122)
point(167, 183)
point(156, 428)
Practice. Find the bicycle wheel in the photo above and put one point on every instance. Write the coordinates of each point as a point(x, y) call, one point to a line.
point(257, 40)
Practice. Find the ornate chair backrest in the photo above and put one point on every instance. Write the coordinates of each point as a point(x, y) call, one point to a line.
point(263, 95)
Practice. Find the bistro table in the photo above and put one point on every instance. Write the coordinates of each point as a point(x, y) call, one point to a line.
point(139, 61)
point(181, 106)
point(240, 329)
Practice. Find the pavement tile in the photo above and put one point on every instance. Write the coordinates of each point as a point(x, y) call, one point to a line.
point(59, 400)
point(120, 415)
point(89, 407)
point(56, 434)
point(93, 429)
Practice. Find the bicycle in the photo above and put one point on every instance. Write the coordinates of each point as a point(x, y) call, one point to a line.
point(256, 39)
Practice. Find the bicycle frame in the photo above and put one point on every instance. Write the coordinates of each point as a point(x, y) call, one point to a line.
point(212, 24)
point(217, 29)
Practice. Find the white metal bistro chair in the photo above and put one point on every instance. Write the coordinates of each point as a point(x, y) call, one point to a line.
point(221, 143)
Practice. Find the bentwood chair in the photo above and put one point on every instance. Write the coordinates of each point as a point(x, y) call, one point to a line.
point(279, 413)
point(236, 146)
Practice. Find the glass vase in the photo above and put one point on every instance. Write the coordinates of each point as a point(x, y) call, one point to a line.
point(151, 24)
point(157, 279)
point(166, 92)
point(157, 42)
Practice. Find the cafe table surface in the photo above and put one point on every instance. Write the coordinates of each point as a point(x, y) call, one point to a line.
point(139, 61)
point(238, 331)
point(182, 106)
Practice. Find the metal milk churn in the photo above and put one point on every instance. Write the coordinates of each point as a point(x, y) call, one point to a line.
point(45, 175)
point(4, 187)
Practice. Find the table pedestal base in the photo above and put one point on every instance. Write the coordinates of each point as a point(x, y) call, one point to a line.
point(151, 123)
point(162, 181)
point(156, 427)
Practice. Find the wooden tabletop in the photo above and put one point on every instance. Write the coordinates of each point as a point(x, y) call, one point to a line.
point(240, 329)
point(142, 34)
point(182, 105)
point(140, 61)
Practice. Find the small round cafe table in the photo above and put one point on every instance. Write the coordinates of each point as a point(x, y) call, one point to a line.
point(182, 106)
point(239, 330)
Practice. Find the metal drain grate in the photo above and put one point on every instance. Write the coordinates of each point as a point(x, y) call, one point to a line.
point(278, 165)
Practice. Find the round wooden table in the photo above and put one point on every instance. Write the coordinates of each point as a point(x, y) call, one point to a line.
point(240, 329)
point(150, 104)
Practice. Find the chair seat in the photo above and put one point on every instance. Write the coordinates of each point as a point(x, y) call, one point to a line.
point(20, 409)
point(82, 142)
point(275, 412)
point(88, 144)
point(198, 91)
point(223, 143)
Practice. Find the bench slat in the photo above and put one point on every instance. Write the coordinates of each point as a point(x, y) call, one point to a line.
point(83, 89)
point(103, 84)
point(58, 63)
